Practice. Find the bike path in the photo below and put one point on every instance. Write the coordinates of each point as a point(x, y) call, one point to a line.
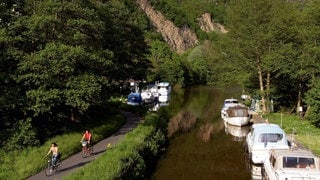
point(76, 161)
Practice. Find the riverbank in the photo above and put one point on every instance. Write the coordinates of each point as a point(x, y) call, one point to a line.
point(132, 158)
point(16, 164)
point(299, 131)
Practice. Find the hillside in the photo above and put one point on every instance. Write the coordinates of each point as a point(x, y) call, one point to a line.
point(183, 37)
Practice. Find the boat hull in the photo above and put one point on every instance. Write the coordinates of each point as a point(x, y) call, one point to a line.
point(237, 121)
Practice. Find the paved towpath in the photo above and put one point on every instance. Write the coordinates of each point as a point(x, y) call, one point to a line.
point(76, 161)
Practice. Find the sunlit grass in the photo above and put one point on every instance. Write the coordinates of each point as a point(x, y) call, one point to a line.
point(113, 163)
point(300, 129)
point(22, 164)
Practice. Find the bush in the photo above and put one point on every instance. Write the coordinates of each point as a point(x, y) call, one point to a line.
point(133, 158)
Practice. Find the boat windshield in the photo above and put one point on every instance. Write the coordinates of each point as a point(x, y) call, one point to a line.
point(231, 102)
point(270, 137)
point(298, 162)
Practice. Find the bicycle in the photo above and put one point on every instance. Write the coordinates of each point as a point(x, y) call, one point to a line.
point(86, 149)
point(51, 169)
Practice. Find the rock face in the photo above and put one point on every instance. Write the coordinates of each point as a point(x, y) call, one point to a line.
point(180, 39)
point(206, 24)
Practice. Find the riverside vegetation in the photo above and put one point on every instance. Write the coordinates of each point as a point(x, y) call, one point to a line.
point(16, 164)
point(60, 60)
point(301, 130)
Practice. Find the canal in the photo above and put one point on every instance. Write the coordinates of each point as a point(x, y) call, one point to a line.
point(201, 146)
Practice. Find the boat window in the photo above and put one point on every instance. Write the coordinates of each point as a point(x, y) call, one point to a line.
point(273, 161)
point(298, 162)
point(270, 137)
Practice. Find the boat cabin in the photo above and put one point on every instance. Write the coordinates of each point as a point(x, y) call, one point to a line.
point(264, 137)
point(292, 164)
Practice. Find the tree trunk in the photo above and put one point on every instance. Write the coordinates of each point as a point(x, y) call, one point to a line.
point(268, 92)
point(263, 101)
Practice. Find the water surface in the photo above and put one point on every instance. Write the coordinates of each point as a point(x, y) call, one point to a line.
point(203, 148)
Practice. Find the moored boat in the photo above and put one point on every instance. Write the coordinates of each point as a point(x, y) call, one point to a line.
point(237, 115)
point(134, 99)
point(147, 93)
point(262, 138)
point(299, 164)
point(226, 104)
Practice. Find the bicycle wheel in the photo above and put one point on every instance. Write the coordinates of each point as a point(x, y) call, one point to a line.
point(84, 151)
point(49, 169)
point(58, 165)
point(91, 150)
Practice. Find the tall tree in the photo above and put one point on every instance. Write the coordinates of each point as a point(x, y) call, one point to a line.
point(65, 69)
point(11, 97)
point(125, 28)
point(310, 34)
point(261, 33)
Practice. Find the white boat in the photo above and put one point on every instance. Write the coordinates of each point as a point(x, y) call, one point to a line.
point(297, 164)
point(262, 138)
point(163, 92)
point(164, 88)
point(164, 98)
point(147, 93)
point(237, 115)
point(226, 104)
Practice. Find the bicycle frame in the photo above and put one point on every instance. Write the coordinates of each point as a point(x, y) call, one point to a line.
point(50, 168)
point(86, 151)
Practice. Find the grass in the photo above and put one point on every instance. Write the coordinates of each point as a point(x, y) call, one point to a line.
point(301, 129)
point(114, 163)
point(133, 157)
point(24, 163)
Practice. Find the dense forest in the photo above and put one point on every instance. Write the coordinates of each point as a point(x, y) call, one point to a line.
point(62, 59)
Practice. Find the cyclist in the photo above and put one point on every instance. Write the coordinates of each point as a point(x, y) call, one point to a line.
point(55, 153)
point(87, 138)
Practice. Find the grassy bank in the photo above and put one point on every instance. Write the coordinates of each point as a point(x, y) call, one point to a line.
point(24, 163)
point(300, 129)
point(132, 158)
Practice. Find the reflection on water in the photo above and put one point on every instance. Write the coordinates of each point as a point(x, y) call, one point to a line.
point(204, 151)
point(256, 172)
point(238, 133)
point(182, 122)
point(255, 169)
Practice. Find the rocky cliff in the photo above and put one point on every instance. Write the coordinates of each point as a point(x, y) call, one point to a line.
point(206, 24)
point(180, 39)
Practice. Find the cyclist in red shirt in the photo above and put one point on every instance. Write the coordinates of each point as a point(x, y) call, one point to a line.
point(87, 138)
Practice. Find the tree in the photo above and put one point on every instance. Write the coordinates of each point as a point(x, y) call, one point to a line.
point(310, 35)
point(125, 28)
point(261, 33)
point(63, 69)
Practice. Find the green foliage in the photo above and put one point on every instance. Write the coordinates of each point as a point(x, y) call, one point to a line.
point(16, 164)
point(125, 26)
point(167, 66)
point(23, 136)
point(185, 13)
point(313, 100)
point(155, 120)
point(263, 45)
point(302, 131)
point(57, 60)
point(127, 160)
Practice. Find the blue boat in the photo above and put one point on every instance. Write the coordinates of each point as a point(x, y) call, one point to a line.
point(134, 99)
